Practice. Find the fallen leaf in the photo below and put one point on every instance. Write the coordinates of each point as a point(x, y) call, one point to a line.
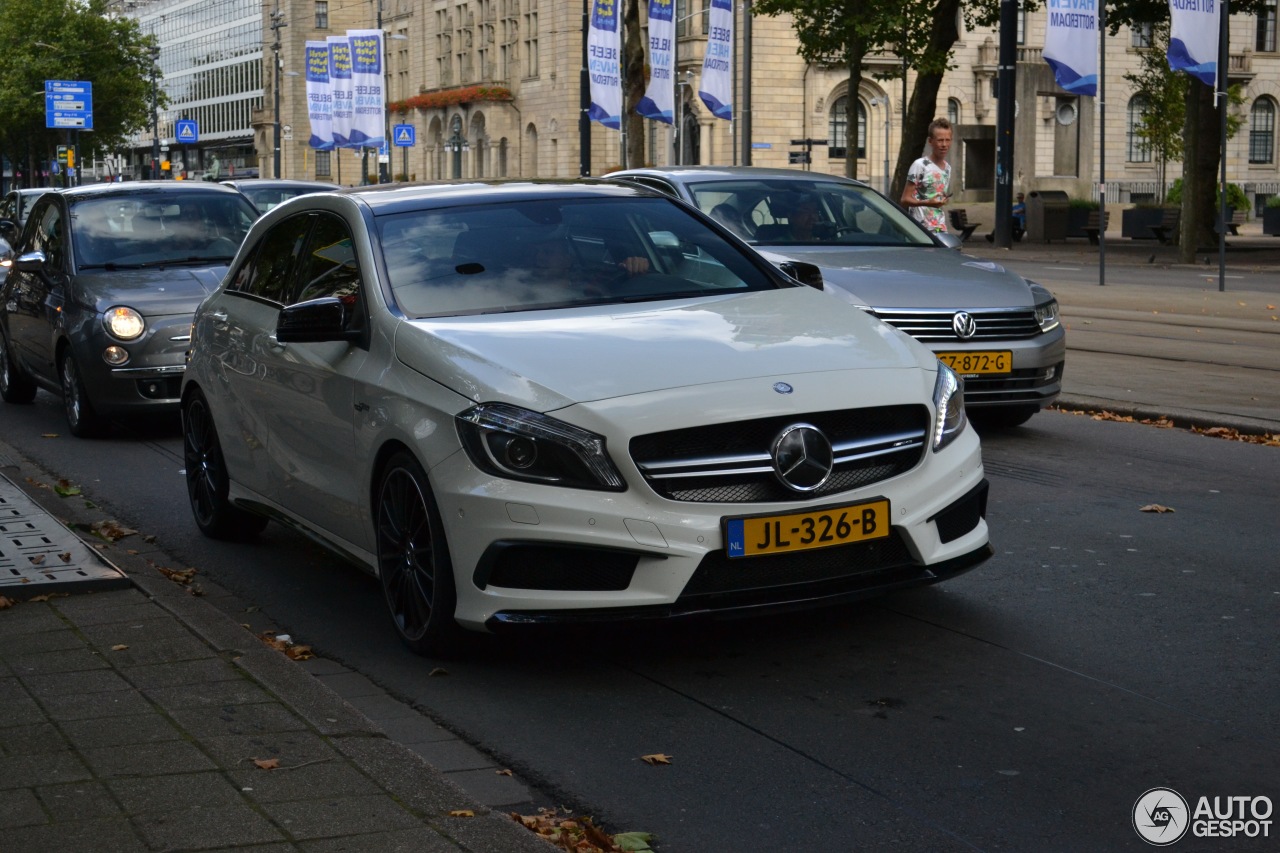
point(437, 671)
point(656, 759)
point(119, 647)
point(131, 552)
point(462, 813)
point(66, 489)
point(183, 576)
point(1155, 508)
point(1271, 307)
point(48, 596)
point(65, 557)
point(110, 530)
point(298, 653)
point(633, 842)
point(37, 559)
point(503, 772)
point(6, 603)
point(48, 435)
point(267, 763)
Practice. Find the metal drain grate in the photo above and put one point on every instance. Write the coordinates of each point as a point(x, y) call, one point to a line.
point(38, 555)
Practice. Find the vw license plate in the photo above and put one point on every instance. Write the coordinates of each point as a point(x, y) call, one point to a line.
point(978, 363)
point(802, 531)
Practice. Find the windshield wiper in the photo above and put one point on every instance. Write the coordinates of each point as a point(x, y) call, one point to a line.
point(109, 266)
point(169, 262)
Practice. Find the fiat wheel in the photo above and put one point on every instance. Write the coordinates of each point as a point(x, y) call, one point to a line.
point(413, 559)
point(208, 483)
point(83, 419)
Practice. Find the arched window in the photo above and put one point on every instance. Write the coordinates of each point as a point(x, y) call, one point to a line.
point(838, 129)
point(1138, 149)
point(1262, 131)
point(953, 111)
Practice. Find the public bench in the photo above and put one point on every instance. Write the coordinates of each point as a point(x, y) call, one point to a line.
point(1167, 231)
point(961, 225)
point(1092, 226)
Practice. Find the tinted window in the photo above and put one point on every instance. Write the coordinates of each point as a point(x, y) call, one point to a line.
point(275, 265)
point(49, 236)
point(553, 253)
point(127, 230)
point(330, 267)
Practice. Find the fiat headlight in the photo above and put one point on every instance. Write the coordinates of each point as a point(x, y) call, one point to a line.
point(515, 443)
point(124, 323)
point(948, 401)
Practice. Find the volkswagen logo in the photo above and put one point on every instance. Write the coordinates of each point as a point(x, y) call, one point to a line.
point(782, 388)
point(802, 457)
point(964, 325)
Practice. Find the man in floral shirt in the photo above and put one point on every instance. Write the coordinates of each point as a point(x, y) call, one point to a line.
point(929, 180)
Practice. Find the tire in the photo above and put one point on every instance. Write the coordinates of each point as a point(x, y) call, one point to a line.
point(82, 417)
point(208, 482)
point(14, 386)
point(413, 560)
point(1002, 417)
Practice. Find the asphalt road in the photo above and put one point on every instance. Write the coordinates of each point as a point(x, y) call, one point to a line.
point(1103, 651)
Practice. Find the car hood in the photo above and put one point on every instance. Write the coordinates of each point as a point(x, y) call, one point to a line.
point(912, 277)
point(546, 360)
point(152, 292)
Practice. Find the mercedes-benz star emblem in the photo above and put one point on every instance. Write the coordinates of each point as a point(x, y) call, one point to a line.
point(802, 457)
point(964, 325)
point(782, 388)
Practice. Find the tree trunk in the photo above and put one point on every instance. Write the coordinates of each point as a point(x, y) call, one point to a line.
point(856, 52)
point(1199, 172)
point(633, 86)
point(921, 109)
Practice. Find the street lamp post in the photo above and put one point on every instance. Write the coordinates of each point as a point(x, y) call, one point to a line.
point(884, 102)
point(277, 23)
point(456, 144)
point(155, 117)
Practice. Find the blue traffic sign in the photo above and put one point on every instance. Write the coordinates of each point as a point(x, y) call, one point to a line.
point(68, 104)
point(404, 135)
point(186, 130)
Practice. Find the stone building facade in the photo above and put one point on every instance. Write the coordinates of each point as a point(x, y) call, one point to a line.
point(492, 90)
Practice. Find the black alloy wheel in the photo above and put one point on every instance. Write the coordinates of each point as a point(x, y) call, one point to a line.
point(208, 482)
point(413, 560)
point(82, 417)
point(14, 386)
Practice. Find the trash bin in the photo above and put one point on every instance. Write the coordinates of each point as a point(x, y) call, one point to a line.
point(1047, 216)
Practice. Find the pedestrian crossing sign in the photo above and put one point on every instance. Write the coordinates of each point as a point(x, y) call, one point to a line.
point(186, 130)
point(403, 135)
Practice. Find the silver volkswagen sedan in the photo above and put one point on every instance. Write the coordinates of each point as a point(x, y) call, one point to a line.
point(998, 330)
point(523, 403)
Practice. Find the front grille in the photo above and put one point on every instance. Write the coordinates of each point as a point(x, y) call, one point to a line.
point(766, 576)
point(935, 325)
point(731, 463)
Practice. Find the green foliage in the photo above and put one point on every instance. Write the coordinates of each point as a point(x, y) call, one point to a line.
point(1236, 199)
point(1082, 203)
point(1274, 201)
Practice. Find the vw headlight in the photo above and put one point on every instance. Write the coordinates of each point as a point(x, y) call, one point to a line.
point(948, 401)
point(518, 444)
point(124, 323)
point(1047, 315)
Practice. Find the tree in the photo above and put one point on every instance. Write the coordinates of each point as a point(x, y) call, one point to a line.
point(77, 41)
point(842, 31)
point(1163, 95)
point(633, 84)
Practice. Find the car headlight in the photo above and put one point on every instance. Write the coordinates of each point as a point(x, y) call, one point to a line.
point(948, 401)
point(518, 444)
point(1047, 315)
point(124, 323)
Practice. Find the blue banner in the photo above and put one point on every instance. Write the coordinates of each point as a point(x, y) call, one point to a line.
point(340, 86)
point(368, 116)
point(1193, 39)
point(1071, 44)
point(717, 65)
point(319, 96)
point(658, 102)
point(604, 63)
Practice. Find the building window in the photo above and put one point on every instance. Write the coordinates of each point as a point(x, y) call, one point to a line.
point(1266, 41)
point(323, 164)
point(1140, 36)
point(1262, 131)
point(838, 129)
point(531, 42)
point(1022, 25)
point(322, 14)
point(953, 111)
point(1137, 149)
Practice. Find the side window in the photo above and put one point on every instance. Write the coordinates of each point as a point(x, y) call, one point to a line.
point(274, 268)
point(48, 237)
point(330, 268)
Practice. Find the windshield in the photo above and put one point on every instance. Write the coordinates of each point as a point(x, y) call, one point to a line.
point(526, 255)
point(124, 230)
point(807, 212)
point(265, 198)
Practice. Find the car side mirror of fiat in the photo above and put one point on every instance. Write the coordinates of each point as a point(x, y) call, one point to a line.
point(30, 261)
point(316, 321)
point(804, 273)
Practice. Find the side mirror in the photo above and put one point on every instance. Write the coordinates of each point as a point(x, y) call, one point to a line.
point(804, 273)
point(30, 261)
point(947, 240)
point(315, 321)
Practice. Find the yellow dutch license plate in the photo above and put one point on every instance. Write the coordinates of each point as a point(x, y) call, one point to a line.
point(803, 531)
point(978, 363)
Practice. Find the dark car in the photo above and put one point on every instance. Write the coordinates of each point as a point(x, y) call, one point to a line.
point(993, 327)
point(266, 193)
point(98, 303)
point(14, 209)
